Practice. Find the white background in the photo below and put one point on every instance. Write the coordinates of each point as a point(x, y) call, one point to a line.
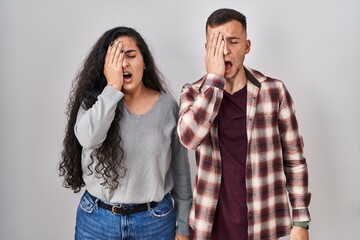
point(313, 46)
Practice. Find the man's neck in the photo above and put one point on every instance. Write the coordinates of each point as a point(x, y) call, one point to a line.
point(235, 84)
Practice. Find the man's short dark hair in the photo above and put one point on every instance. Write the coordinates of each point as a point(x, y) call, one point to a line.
point(224, 15)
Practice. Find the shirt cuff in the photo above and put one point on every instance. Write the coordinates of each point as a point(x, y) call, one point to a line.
point(214, 80)
point(112, 93)
point(183, 230)
point(304, 224)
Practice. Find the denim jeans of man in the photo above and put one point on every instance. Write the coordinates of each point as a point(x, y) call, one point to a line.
point(94, 222)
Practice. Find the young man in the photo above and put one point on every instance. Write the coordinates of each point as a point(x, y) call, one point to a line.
point(249, 151)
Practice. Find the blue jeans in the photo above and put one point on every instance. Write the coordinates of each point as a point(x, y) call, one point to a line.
point(94, 222)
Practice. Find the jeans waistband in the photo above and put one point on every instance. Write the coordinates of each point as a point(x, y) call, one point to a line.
point(123, 210)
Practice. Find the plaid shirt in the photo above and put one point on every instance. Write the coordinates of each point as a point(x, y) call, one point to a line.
point(275, 169)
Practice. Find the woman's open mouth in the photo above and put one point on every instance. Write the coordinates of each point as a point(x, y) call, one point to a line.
point(127, 76)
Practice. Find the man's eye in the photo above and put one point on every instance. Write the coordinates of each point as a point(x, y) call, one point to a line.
point(233, 42)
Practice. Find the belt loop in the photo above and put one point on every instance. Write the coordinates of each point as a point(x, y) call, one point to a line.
point(148, 206)
point(95, 199)
point(97, 202)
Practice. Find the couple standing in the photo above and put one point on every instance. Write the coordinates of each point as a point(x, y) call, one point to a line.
point(125, 141)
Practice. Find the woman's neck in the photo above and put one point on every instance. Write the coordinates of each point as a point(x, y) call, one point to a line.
point(141, 101)
point(142, 92)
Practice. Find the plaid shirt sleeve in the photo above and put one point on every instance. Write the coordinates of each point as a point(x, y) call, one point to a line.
point(294, 161)
point(199, 105)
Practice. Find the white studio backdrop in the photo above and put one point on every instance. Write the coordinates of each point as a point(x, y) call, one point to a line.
point(313, 46)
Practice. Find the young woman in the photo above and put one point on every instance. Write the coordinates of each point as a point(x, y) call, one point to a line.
point(121, 144)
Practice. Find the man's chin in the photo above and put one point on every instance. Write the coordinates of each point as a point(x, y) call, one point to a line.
point(228, 75)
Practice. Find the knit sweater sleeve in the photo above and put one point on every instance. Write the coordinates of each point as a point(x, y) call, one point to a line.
point(93, 124)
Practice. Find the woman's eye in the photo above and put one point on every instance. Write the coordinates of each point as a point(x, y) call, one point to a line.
point(131, 56)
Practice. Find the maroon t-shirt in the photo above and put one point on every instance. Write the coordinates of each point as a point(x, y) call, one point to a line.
point(231, 213)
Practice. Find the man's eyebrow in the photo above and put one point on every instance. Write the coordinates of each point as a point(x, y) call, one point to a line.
point(232, 37)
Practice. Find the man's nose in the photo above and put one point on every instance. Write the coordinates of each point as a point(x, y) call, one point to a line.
point(226, 50)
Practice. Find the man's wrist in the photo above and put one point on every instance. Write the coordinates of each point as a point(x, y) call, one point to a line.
point(214, 80)
point(304, 224)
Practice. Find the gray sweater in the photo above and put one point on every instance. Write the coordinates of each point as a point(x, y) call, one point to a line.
point(156, 162)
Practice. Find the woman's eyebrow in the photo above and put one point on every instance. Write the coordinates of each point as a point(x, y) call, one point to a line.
point(130, 51)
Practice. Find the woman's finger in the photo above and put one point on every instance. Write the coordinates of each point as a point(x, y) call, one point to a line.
point(121, 58)
point(119, 47)
point(113, 48)
point(107, 56)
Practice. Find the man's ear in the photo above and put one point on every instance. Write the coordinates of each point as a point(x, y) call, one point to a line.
point(248, 46)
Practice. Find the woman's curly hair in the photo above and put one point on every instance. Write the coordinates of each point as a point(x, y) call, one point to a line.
point(86, 87)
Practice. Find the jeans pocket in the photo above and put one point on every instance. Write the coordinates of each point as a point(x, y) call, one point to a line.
point(163, 208)
point(86, 203)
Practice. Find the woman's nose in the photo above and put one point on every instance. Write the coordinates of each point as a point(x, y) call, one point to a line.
point(125, 63)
